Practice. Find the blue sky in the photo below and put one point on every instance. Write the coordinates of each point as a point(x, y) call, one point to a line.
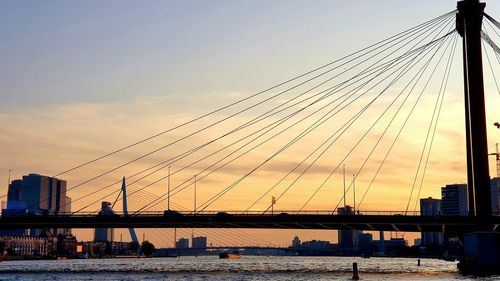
point(95, 51)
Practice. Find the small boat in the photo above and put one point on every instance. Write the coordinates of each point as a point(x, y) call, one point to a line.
point(227, 255)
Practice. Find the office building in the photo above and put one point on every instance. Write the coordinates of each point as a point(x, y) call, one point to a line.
point(495, 196)
point(431, 207)
point(104, 234)
point(182, 243)
point(14, 191)
point(348, 239)
point(364, 242)
point(454, 200)
point(41, 195)
point(67, 210)
point(199, 242)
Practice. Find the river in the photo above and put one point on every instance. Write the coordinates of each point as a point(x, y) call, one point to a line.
point(247, 268)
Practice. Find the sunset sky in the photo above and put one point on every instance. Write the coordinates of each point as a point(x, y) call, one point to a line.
point(80, 79)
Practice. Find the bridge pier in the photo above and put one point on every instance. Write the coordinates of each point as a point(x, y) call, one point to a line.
point(481, 254)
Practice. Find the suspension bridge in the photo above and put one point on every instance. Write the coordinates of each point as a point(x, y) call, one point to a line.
point(356, 111)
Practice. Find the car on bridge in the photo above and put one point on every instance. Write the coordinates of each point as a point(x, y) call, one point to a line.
point(171, 213)
point(222, 214)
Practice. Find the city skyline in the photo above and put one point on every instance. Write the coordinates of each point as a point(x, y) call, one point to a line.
point(100, 77)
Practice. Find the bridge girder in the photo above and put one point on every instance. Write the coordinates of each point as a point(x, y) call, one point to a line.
point(458, 224)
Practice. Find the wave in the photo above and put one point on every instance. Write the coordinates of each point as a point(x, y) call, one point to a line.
point(218, 271)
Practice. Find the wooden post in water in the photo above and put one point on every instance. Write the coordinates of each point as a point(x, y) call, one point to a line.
point(355, 275)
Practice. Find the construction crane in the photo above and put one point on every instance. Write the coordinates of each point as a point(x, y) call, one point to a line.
point(497, 157)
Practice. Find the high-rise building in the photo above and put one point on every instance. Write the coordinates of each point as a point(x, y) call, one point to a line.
point(495, 196)
point(68, 205)
point(454, 200)
point(182, 243)
point(348, 239)
point(38, 194)
point(365, 241)
point(104, 234)
point(14, 192)
point(199, 242)
point(44, 195)
point(431, 207)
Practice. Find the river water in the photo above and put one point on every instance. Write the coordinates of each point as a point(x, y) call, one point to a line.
point(246, 268)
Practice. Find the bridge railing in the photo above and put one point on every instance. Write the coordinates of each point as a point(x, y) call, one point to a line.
point(236, 212)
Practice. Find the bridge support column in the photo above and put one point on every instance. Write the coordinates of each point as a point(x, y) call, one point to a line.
point(469, 22)
point(481, 253)
point(481, 249)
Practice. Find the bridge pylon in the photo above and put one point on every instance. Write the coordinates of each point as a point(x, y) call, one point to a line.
point(133, 235)
point(481, 249)
point(469, 23)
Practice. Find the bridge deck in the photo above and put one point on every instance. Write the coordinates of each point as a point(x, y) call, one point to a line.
point(280, 221)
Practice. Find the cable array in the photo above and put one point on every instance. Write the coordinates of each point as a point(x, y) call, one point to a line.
point(351, 111)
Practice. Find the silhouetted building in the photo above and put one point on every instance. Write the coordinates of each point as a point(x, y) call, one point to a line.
point(29, 247)
point(454, 200)
point(387, 245)
point(381, 246)
point(14, 191)
point(431, 207)
point(348, 239)
point(67, 210)
point(296, 242)
point(41, 195)
point(13, 208)
point(105, 249)
point(365, 242)
point(104, 234)
point(182, 243)
point(199, 242)
point(316, 245)
point(66, 245)
point(495, 196)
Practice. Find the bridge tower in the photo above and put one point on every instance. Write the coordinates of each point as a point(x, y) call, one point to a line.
point(481, 249)
point(469, 23)
point(133, 236)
